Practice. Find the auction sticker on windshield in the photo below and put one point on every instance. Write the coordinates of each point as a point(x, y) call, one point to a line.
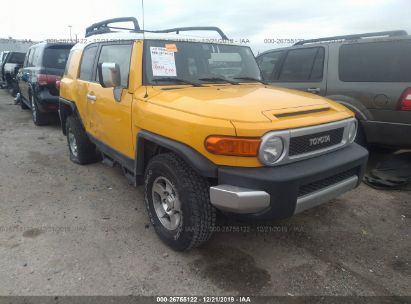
point(163, 62)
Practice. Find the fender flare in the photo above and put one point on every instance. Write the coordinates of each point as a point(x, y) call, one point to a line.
point(361, 112)
point(198, 162)
point(66, 108)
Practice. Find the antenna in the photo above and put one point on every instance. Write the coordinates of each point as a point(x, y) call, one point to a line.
point(144, 37)
point(142, 8)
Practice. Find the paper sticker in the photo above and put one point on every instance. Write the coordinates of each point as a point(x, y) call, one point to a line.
point(171, 47)
point(163, 62)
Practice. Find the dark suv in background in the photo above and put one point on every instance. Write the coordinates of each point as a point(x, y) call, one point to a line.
point(369, 73)
point(43, 68)
point(3, 57)
point(10, 65)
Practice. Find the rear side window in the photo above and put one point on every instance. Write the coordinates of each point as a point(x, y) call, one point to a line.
point(86, 67)
point(269, 64)
point(56, 57)
point(120, 54)
point(376, 62)
point(303, 65)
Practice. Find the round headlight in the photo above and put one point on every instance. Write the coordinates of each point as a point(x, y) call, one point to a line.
point(271, 149)
point(352, 131)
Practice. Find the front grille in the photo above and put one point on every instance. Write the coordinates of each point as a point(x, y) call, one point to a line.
point(317, 141)
point(326, 182)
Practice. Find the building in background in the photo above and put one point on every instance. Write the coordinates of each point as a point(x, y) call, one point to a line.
point(10, 44)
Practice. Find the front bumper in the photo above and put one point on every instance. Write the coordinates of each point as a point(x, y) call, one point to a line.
point(279, 192)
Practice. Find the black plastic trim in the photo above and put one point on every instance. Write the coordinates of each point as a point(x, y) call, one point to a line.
point(197, 161)
point(63, 113)
point(283, 182)
point(120, 158)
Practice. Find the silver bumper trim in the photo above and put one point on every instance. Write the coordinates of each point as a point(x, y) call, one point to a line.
point(326, 194)
point(238, 200)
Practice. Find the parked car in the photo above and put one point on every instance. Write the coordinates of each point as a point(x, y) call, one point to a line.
point(3, 57)
point(193, 122)
point(12, 65)
point(43, 68)
point(9, 65)
point(368, 73)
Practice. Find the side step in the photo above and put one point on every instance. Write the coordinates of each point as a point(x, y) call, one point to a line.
point(130, 176)
point(111, 163)
point(108, 161)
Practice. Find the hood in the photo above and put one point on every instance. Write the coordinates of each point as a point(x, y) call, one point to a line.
point(243, 103)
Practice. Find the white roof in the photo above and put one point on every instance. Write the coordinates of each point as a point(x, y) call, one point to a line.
point(147, 35)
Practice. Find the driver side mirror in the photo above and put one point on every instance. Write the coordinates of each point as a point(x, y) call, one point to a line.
point(109, 75)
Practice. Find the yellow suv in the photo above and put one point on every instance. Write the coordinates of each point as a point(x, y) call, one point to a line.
point(191, 120)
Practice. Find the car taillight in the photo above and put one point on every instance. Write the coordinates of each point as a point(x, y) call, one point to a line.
point(46, 79)
point(405, 100)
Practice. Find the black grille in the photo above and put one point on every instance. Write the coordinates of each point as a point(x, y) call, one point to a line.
point(312, 142)
point(323, 183)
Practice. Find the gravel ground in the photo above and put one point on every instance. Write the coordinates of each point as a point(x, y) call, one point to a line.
point(83, 230)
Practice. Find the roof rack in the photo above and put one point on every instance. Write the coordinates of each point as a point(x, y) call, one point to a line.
point(357, 36)
point(177, 30)
point(103, 27)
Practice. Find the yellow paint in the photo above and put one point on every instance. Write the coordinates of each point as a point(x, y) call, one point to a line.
point(190, 114)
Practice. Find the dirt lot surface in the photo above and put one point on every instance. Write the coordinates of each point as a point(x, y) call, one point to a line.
point(83, 230)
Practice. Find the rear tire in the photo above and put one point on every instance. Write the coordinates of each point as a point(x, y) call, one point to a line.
point(39, 119)
point(23, 105)
point(182, 214)
point(82, 150)
point(12, 88)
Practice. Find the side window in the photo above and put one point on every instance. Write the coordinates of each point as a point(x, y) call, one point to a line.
point(120, 54)
point(35, 61)
point(30, 57)
point(386, 61)
point(302, 65)
point(26, 60)
point(269, 64)
point(86, 66)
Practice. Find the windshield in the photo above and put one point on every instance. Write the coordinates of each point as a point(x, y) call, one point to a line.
point(17, 58)
point(202, 63)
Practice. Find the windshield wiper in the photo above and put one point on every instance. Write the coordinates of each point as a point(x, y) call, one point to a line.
point(172, 79)
point(250, 78)
point(218, 79)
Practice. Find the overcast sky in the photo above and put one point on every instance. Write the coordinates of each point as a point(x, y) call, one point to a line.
point(254, 20)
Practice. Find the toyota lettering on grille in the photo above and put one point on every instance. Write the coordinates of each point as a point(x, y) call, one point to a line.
point(320, 140)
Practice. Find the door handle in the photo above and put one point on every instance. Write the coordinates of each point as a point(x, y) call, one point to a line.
point(314, 90)
point(91, 97)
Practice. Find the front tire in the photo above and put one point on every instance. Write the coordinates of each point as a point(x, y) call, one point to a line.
point(23, 105)
point(82, 150)
point(178, 202)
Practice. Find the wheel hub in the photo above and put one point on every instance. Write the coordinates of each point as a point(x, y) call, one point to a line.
point(72, 143)
point(166, 203)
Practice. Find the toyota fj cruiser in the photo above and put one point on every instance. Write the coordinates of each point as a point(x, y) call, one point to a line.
point(192, 120)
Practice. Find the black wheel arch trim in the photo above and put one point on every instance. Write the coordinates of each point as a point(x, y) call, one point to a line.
point(198, 162)
point(361, 112)
point(67, 108)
